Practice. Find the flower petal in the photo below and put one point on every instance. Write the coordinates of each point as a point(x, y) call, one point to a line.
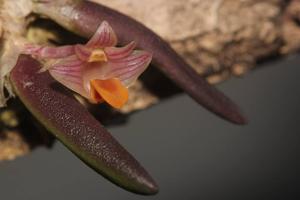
point(95, 96)
point(49, 52)
point(82, 52)
point(90, 55)
point(104, 37)
point(111, 90)
point(130, 68)
point(114, 53)
point(69, 72)
point(127, 70)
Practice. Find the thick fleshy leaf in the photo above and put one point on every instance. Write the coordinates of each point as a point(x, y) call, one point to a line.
point(74, 126)
point(85, 19)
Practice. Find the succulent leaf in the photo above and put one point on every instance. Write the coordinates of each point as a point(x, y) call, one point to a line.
point(75, 127)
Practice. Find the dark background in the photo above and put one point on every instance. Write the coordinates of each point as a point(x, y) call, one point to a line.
point(191, 153)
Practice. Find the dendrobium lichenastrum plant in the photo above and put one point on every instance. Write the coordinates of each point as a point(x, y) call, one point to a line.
point(98, 70)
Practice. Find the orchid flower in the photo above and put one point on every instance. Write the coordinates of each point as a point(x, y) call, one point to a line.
point(98, 70)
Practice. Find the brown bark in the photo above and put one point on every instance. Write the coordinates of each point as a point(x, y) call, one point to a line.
point(219, 38)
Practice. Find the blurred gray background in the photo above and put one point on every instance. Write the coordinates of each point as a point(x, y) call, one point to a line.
point(191, 153)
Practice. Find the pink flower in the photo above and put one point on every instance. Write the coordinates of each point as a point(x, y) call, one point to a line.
point(98, 70)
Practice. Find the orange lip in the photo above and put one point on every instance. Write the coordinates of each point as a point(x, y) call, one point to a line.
point(111, 90)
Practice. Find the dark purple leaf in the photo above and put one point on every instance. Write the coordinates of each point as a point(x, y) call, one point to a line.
point(56, 108)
